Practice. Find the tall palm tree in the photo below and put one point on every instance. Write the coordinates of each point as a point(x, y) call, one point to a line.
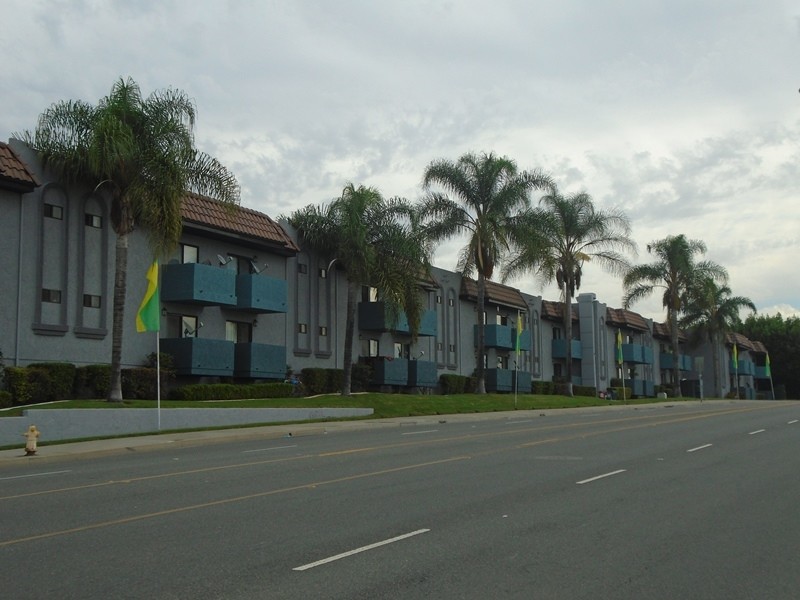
point(711, 312)
point(557, 238)
point(142, 150)
point(487, 193)
point(675, 271)
point(377, 242)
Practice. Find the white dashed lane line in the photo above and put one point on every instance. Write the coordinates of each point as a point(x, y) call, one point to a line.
point(604, 475)
point(358, 550)
point(703, 447)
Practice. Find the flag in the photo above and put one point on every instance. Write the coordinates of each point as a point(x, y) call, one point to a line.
point(768, 369)
point(735, 356)
point(149, 316)
point(619, 347)
point(519, 330)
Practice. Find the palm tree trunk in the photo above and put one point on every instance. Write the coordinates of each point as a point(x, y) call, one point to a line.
point(349, 335)
point(568, 333)
point(118, 316)
point(676, 367)
point(480, 371)
point(715, 365)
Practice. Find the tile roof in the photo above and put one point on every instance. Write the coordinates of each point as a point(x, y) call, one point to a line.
point(741, 341)
point(14, 174)
point(661, 331)
point(554, 311)
point(759, 347)
point(495, 293)
point(620, 317)
point(246, 222)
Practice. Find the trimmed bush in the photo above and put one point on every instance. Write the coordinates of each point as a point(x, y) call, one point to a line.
point(18, 385)
point(230, 391)
point(5, 399)
point(584, 390)
point(542, 387)
point(361, 377)
point(60, 380)
point(454, 384)
point(92, 381)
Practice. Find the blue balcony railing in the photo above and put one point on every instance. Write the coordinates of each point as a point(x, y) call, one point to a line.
point(197, 283)
point(505, 380)
point(636, 353)
point(261, 294)
point(666, 362)
point(260, 361)
point(200, 356)
point(496, 336)
point(374, 316)
point(389, 371)
point(422, 373)
point(559, 349)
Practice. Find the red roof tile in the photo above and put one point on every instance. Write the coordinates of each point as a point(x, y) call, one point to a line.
point(620, 317)
point(239, 220)
point(661, 331)
point(554, 311)
point(741, 341)
point(495, 293)
point(14, 173)
point(759, 347)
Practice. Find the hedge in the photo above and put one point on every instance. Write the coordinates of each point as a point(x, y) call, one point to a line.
point(230, 391)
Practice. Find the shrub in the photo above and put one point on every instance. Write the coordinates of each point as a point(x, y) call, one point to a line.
point(584, 390)
point(361, 377)
point(139, 383)
point(18, 385)
point(92, 381)
point(542, 387)
point(455, 384)
point(230, 391)
point(60, 380)
point(5, 399)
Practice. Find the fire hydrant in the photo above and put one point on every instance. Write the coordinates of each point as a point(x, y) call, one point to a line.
point(30, 440)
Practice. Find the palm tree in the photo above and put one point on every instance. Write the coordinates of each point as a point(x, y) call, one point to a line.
point(676, 271)
point(376, 242)
point(556, 239)
point(142, 150)
point(488, 192)
point(711, 312)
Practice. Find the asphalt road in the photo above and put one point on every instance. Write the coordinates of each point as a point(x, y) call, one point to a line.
point(671, 501)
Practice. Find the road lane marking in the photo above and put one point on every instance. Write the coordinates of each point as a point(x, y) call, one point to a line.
point(703, 447)
point(358, 550)
point(268, 449)
point(757, 431)
point(792, 422)
point(520, 421)
point(617, 472)
point(419, 432)
point(34, 475)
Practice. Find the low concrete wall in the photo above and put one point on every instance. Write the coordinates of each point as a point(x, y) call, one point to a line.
point(62, 424)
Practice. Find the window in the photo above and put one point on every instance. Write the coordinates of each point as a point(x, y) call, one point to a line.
point(439, 345)
point(91, 301)
point(95, 221)
point(452, 347)
point(323, 331)
point(302, 328)
point(302, 268)
point(556, 333)
point(189, 253)
point(53, 212)
point(369, 294)
point(450, 302)
point(438, 299)
point(238, 332)
point(189, 326)
point(323, 273)
point(502, 362)
point(502, 320)
point(402, 350)
point(53, 296)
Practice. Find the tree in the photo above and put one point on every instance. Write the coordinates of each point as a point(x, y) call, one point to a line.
point(377, 242)
point(555, 240)
point(782, 339)
point(488, 192)
point(142, 150)
point(711, 312)
point(675, 271)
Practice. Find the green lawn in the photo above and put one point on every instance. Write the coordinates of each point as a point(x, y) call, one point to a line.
point(384, 405)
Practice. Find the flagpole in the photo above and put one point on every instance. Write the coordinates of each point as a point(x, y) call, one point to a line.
point(158, 379)
point(516, 362)
point(769, 371)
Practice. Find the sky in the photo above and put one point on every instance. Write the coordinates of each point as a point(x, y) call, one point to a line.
point(684, 114)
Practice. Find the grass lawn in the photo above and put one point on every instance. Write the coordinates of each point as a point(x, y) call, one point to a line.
point(384, 405)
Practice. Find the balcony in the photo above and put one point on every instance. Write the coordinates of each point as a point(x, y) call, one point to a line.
point(502, 337)
point(761, 373)
point(559, 349)
point(422, 373)
point(638, 354)
point(641, 387)
point(389, 371)
point(746, 367)
point(666, 362)
point(201, 356)
point(504, 380)
point(374, 316)
point(260, 294)
point(260, 361)
point(195, 283)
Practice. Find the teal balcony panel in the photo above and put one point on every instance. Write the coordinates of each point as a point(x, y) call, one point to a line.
point(761, 373)
point(196, 283)
point(386, 371)
point(524, 339)
point(422, 373)
point(374, 316)
point(496, 336)
point(746, 367)
point(666, 362)
point(261, 294)
point(200, 356)
point(636, 353)
point(499, 380)
point(641, 387)
point(559, 349)
point(686, 362)
point(260, 361)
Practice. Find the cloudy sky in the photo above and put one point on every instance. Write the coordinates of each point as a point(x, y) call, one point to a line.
point(685, 114)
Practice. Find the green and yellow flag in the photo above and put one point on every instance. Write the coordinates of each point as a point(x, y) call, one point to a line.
point(519, 330)
point(768, 369)
point(735, 356)
point(619, 347)
point(149, 316)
